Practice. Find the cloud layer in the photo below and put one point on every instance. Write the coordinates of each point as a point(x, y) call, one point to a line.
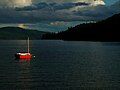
point(21, 3)
point(62, 10)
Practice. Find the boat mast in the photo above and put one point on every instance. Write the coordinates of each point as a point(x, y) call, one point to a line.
point(28, 45)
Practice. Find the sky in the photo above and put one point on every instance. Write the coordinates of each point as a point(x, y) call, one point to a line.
point(28, 2)
point(109, 2)
point(54, 14)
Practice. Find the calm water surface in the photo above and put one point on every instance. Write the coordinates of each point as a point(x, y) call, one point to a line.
point(60, 65)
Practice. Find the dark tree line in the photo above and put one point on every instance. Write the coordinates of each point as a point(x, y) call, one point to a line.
point(105, 30)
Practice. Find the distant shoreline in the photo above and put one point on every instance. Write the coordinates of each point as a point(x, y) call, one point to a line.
point(64, 41)
point(102, 31)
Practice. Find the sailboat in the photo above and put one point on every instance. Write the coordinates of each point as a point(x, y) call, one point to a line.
point(24, 55)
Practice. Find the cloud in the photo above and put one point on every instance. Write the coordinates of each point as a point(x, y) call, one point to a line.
point(72, 11)
point(98, 2)
point(52, 6)
point(15, 3)
point(12, 16)
point(57, 23)
point(100, 12)
point(10, 3)
point(60, 1)
point(63, 1)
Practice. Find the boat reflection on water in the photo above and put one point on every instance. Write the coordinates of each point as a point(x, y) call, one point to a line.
point(24, 75)
point(24, 60)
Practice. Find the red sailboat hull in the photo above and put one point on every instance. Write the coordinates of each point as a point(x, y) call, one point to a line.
point(23, 56)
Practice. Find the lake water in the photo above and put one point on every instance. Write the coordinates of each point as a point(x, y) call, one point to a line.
point(60, 65)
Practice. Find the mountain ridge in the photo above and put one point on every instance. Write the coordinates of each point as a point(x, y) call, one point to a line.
point(14, 33)
point(105, 30)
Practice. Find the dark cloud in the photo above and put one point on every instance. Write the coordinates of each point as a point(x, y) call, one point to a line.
point(52, 6)
point(100, 12)
point(57, 12)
